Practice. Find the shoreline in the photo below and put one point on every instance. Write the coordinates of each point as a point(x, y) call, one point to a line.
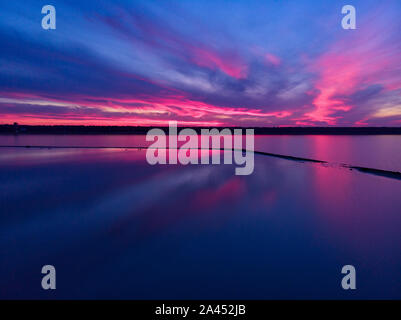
point(15, 129)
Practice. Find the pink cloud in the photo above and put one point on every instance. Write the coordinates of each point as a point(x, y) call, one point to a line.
point(352, 64)
point(229, 64)
point(141, 110)
point(272, 59)
point(163, 37)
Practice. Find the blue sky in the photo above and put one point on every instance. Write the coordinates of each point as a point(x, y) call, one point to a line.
point(251, 63)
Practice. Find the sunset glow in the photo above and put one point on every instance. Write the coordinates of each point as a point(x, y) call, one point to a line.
point(201, 63)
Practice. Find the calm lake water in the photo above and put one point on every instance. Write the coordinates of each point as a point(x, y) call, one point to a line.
point(116, 227)
point(380, 152)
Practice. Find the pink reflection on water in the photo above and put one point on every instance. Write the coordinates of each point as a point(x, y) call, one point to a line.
point(324, 149)
point(230, 190)
point(332, 189)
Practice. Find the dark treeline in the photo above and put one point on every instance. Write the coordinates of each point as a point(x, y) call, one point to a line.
point(27, 129)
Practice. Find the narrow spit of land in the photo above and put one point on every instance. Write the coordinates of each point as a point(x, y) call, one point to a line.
point(379, 172)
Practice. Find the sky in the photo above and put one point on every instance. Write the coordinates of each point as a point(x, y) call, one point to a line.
point(201, 62)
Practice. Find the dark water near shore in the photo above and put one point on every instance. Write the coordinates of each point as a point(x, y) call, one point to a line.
point(116, 227)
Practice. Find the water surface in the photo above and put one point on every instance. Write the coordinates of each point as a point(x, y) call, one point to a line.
point(116, 227)
point(376, 151)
